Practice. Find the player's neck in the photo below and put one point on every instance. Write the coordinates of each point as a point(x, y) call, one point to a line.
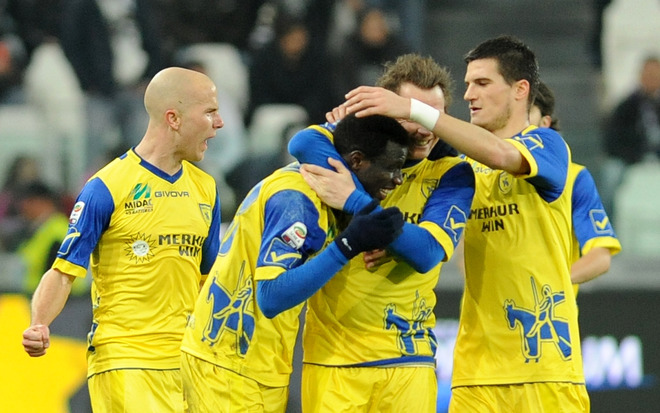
point(158, 156)
point(512, 127)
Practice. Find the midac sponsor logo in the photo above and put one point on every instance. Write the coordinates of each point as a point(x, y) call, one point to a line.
point(139, 200)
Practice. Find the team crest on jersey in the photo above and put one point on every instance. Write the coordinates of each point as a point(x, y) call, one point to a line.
point(600, 222)
point(505, 182)
point(540, 325)
point(139, 248)
point(207, 213)
point(428, 186)
point(76, 212)
point(295, 235)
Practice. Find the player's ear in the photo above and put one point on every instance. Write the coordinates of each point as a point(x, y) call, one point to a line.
point(356, 160)
point(546, 121)
point(173, 119)
point(522, 89)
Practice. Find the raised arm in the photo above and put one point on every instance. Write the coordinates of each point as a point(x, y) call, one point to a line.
point(474, 141)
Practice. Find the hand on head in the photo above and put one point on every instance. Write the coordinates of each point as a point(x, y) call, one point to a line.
point(369, 100)
point(333, 187)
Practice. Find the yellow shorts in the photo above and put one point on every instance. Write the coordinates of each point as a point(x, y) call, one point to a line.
point(134, 390)
point(368, 389)
point(521, 398)
point(210, 388)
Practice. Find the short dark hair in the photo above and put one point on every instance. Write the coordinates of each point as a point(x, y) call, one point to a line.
point(418, 70)
point(515, 61)
point(545, 100)
point(37, 189)
point(368, 135)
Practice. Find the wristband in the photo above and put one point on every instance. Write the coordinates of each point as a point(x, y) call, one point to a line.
point(423, 114)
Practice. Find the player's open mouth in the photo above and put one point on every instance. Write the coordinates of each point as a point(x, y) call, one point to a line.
point(384, 192)
point(422, 143)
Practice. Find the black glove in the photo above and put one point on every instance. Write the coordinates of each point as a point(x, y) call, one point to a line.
point(368, 232)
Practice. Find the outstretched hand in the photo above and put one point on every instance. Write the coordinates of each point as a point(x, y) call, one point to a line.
point(333, 187)
point(370, 100)
point(36, 340)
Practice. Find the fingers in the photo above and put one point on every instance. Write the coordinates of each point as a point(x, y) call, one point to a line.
point(359, 107)
point(374, 255)
point(312, 179)
point(309, 177)
point(392, 218)
point(330, 117)
point(316, 170)
point(369, 100)
point(332, 187)
point(358, 101)
point(375, 258)
point(338, 165)
point(36, 340)
point(358, 90)
point(336, 114)
point(393, 214)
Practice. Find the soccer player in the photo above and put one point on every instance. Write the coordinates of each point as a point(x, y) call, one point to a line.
point(147, 225)
point(592, 253)
point(368, 340)
point(237, 350)
point(517, 240)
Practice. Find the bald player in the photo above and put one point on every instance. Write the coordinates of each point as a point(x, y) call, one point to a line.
point(147, 225)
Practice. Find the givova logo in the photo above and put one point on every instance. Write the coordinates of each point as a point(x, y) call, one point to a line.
point(610, 365)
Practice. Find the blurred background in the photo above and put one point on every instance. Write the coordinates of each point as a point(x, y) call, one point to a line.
point(72, 77)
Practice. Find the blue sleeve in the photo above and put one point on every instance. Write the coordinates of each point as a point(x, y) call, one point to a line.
point(448, 207)
point(551, 156)
point(89, 218)
point(590, 219)
point(212, 242)
point(296, 285)
point(291, 234)
point(311, 146)
point(291, 231)
point(418, 248)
